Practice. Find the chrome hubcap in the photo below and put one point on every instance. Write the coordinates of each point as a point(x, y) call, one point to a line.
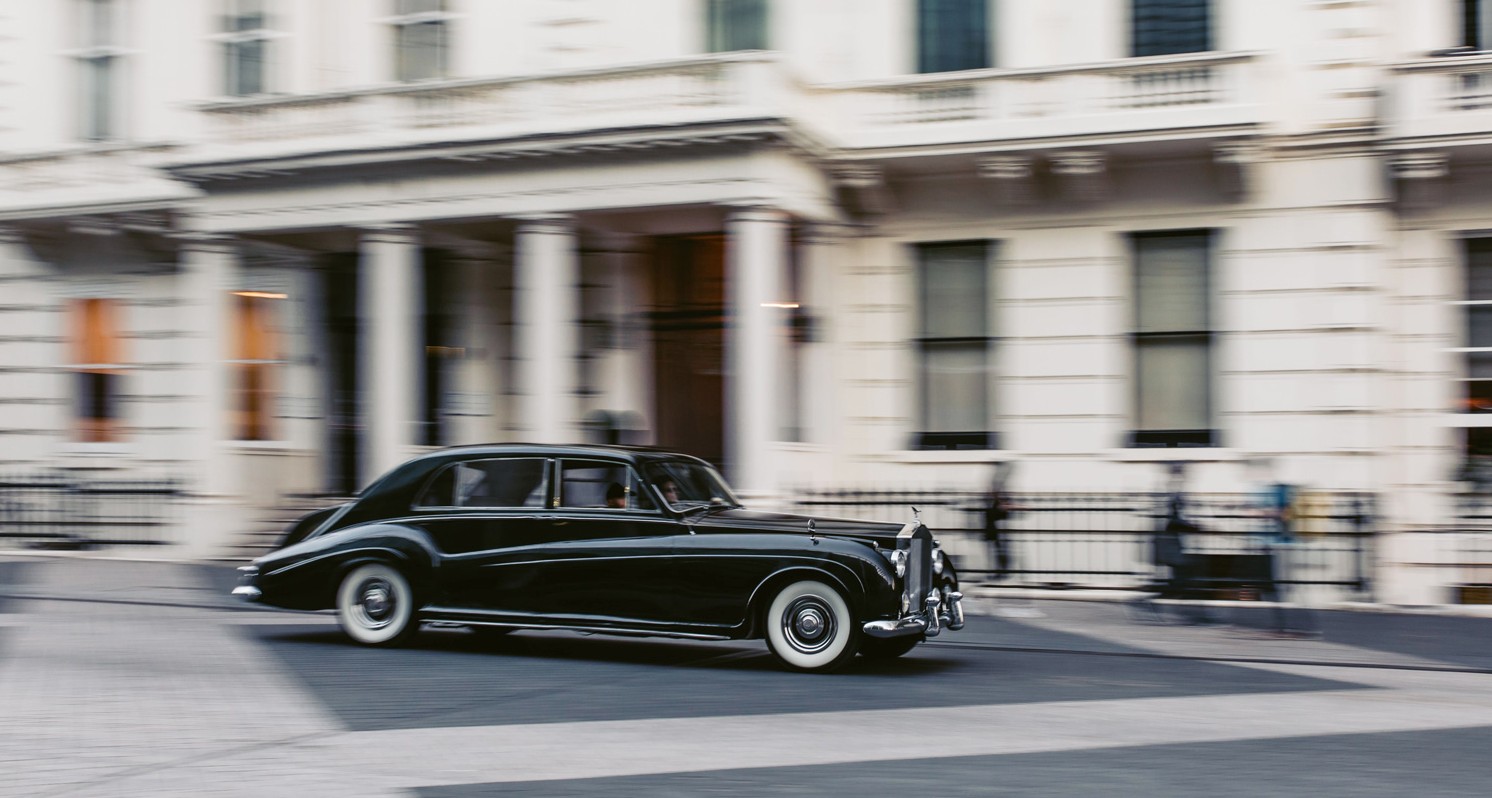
point(808, 624)
point(376, 603)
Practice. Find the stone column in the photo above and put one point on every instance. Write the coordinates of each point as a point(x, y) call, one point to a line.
point(819, 383)
point(545, 315)
point(756, 255)
point(207, 265)
point(474, 380)
point(390, 305)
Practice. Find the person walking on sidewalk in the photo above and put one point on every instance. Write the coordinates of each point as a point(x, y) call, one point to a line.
point(998, 508)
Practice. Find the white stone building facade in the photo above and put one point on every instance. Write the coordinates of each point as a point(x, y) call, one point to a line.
point(280, 246)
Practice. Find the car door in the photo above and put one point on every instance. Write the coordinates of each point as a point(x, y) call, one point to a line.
point(610, 560)
point(488, 518)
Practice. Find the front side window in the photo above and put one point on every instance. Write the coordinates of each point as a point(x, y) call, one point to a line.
point(1162, 27)
point(421, 39)
point(245, 39)
point(97, 369)
point(505, 482)
point(1172, 339)
point(598, 485)
point(953, 345)
point(684, 484)
point(256, 363)
point(732, 25)
point(953, 35)
point(98, 61)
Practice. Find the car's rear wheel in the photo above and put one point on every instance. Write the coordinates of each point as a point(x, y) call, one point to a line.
point(809, 627)
point(375, 605)
point(888, 648)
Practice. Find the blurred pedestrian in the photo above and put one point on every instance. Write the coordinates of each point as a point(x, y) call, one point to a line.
point(1274, 506)
point(998, 508)
point(1168, 550)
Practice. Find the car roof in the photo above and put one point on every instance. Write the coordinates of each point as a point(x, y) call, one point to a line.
point(633, 454)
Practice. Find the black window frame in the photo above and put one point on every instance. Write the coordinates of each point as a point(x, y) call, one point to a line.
point(924, 438)
point(970, 18)
point(1152, 34)
point(724, 34)
point(549, 477)
point(634, 477)
point(1209, 436)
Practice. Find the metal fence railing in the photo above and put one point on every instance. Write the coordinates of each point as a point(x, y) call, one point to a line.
point(62, 510)
point(1105, 540)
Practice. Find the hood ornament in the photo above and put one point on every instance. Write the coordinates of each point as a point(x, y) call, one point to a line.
point(811, 526)
point(916, 515)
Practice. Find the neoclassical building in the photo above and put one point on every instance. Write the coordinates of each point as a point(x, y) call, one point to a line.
point(278, 247)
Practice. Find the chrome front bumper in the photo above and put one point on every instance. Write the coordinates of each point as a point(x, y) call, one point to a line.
point(938, 616)
point(246, 589)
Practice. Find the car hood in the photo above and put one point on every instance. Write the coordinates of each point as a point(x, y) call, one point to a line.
point(740, 519)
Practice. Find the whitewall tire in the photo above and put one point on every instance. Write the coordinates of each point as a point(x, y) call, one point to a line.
point(375, 605)
point(810, 628)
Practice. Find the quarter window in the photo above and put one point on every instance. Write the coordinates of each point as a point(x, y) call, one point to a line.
point(953, 345)
point(1172, 339)
point(1162, 27)
point(499, 482)
point(952, 35)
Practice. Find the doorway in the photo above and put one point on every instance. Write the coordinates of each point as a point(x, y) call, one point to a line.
point(688, 326)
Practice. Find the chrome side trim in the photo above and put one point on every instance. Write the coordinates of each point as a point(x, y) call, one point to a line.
point(600, 630)
point(248, 592)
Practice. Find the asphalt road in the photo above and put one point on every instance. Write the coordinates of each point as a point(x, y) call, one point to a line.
point(140, 680)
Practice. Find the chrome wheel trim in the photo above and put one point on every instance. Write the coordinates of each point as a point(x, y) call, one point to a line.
point(374, 604)
point(809, 626)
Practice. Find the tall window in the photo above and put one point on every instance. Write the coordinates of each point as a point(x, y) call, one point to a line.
point(953, 345)
point(98, 59)
point(97, 369)
point(1173, 339)
point(255, 364)
point(1476, 395)
point(1161, 27)
point(246, 40)
point(952, 35)
point(732, 25)
point(421, 39)
point(1476, 24)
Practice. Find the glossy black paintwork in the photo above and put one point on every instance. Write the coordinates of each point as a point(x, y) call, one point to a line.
point(659, 572)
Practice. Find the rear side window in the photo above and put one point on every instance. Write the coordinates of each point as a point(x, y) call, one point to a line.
point(499, 482)
point(601, 485)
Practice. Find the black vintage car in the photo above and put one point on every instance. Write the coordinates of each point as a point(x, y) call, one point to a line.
point(611, 540)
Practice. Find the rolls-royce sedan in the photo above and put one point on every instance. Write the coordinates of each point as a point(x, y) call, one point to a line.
point(606, 539)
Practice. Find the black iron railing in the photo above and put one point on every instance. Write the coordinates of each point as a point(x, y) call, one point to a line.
point(1107, 540)
point(63, 510)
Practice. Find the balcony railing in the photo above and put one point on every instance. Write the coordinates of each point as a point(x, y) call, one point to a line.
point(1158, 95)
point(1117, 97)
point(715, 88)
point(1442, 97)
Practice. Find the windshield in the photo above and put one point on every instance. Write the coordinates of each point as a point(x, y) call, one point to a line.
point(684, 484)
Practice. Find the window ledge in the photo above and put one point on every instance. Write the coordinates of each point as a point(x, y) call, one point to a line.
point(1182, 454)
point(96, 449)
point(265, 447)
point(948, 456)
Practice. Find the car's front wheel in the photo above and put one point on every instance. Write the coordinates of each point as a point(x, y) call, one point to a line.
point(375, 605)
point(809, 627)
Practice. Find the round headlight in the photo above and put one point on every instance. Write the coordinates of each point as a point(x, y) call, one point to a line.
point(898, 559)
point(938, 562)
